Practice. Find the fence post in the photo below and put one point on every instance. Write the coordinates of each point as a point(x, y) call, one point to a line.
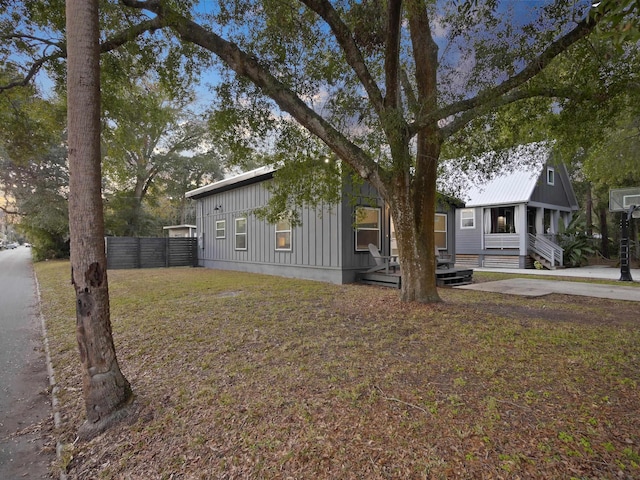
point(194, 251)
point(106, 250)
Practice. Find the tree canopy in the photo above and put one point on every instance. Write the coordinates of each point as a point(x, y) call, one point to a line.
point(151, 144)
point(388, 88)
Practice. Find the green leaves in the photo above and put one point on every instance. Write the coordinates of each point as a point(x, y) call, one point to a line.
point(622, 20)
point(575, 242)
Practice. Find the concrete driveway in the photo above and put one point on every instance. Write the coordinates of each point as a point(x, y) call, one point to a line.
point(532, 287)
point(27, 448)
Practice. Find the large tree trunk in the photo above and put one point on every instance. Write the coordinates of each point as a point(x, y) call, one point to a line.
point(106, 391)
point(412, 202)
point(419, 191)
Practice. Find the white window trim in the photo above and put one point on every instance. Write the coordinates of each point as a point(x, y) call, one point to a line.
point(358, 229)
point(551, 176)
point(446, 236)
point(463, 218)
point(224, 228)
point(241, 233)
point(290, 232)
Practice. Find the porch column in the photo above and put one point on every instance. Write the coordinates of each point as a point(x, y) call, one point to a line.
point(540, 220)
point(521, 227)
point(554, 221)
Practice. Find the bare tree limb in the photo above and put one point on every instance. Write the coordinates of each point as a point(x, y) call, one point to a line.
point(549, 92)
point(113, 43)
point(537, 65)
point(19, 36)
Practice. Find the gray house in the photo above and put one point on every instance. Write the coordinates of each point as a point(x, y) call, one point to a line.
point(512, 220)
point(331, 244)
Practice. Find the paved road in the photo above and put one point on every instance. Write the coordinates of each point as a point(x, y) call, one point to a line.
point(26, 424)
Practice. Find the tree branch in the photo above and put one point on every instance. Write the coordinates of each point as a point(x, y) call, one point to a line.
point(11, 212)
point(46, 41)
point(248, 66)
point(392, 54)
point(408, 90)
point(352, 53)
point(582, 29)
point(113, 43)
point(33, 71)
point(514, 96)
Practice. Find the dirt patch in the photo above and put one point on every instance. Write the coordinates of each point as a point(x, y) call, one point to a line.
point(554, 308)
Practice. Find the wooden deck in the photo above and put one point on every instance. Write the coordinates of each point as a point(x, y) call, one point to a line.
point(445, 277)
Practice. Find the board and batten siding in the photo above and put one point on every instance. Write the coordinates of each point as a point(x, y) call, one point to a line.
point(469, 240)
point(366, 196)
point(315, 252)
point(555, 195)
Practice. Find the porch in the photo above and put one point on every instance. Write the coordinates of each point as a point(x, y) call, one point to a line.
point(541, 248)
point(445, 277)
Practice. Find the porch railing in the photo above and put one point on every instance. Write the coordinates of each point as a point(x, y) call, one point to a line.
point(551, 252)
point(501, 240)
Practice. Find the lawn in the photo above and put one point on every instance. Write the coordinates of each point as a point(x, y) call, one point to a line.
point(248, 376)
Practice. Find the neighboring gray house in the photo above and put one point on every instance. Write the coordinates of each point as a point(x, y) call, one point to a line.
point(330, 245)
point(512, 220)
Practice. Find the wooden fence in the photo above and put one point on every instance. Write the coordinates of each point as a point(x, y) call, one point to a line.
point(132, 252)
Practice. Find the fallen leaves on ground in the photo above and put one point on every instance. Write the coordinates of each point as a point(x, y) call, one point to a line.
point(250, 376)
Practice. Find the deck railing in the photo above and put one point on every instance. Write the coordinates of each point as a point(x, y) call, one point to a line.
point(501, 240)
point(548, 250)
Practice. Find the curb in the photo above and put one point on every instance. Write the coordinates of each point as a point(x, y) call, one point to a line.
point(51, 374)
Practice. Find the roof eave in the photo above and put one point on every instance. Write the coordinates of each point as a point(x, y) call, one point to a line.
point(247, 178)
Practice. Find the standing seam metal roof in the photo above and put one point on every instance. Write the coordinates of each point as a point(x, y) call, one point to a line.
point(512, 186)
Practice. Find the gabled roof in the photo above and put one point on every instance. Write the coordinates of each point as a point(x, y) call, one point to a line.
point(513, 183)
point(511, 187)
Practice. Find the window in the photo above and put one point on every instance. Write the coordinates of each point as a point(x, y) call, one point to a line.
point(468, 218)
point(503, 220)
point(221, 228)
point(367, 228)
point(440, 231)
point(283, 235)
point(241, 233)
point(551, 176)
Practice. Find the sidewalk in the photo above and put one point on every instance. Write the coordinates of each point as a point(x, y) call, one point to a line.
point(531, 287)
point(595, 271)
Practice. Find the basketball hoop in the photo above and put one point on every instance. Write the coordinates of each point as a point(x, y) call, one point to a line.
point(626, 201)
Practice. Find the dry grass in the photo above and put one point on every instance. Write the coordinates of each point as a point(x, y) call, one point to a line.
point(249, 376)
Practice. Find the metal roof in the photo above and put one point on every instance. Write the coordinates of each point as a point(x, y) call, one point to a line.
point(515, 182)
point(513, 187)
point(247, 177)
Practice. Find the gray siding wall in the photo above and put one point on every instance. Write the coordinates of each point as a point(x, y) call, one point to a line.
point(451, 230)
point(469, 240)
point(315, 252)
point(323, 247)
point(366, 196)
point(555, 194)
